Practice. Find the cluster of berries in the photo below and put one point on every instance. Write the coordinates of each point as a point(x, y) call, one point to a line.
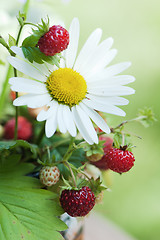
point(76, 202)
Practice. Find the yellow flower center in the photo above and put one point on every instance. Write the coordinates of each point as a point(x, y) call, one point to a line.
point(67, 86)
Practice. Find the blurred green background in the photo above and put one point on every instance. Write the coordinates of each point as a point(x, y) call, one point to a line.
point(134, 202)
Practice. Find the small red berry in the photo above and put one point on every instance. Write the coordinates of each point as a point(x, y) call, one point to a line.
point(12, 95)
point(54, 41)
point(101, 164)
point(108, 142)
point(24, 129)
point(117, 160)
point(77, 203)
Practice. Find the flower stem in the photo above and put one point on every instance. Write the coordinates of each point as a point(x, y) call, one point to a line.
point(9, 71)
point(16, 115)
point(26, 7)
point(4, 89)
point(41, 134)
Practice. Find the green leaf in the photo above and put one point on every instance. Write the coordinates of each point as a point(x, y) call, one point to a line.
point(8, 145)
point(34, 54)
point(11, 41)
point(26, 211)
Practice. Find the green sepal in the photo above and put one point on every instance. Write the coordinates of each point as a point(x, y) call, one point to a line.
point(146, 117)
point(118, 140)
point(21, 18)
point(96, 186)
point(33, 39)
point(93, 149)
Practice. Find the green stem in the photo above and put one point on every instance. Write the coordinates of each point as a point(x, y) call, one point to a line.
point(4, 88)
point(19, 34)
point(28, 23)
point(16, 116)
point(70, 150)
point(9, 71)
point(72, 174)
point(41, 134)
point(68, 154)
point(15, 74)
point(131, 120)
point(26, 6)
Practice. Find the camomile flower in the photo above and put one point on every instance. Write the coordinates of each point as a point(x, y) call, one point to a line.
point(78, 89)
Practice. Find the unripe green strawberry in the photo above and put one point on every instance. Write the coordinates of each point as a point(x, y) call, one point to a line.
point(49, 175)
point(95, 157)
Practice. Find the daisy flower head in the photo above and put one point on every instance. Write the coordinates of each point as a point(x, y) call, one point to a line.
point(73, 93)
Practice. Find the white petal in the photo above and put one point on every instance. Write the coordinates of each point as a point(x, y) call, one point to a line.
point(33, 100)
point(69, 122)
point(81, 127)
point(116, 80)
point(112, 91)
point(60, 119)
point(51, 123)
point(27, 85)
point(108, 108)
point(87, 123)
point(99, 52)
point(62, 63)
point(18, 51)
point(44, 115)
point(44, 68)
point(99, 121)
point(71, 51)
point(26, 68)
point(41, 67)
point(101, 63)
point(88, 49)
point(109, 100)
point(109, 71)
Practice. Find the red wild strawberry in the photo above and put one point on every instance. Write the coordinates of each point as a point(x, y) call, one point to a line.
point(118, 160)
point(102, 164)
point(54, 41)
point(24, 129)
point(77, 203)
